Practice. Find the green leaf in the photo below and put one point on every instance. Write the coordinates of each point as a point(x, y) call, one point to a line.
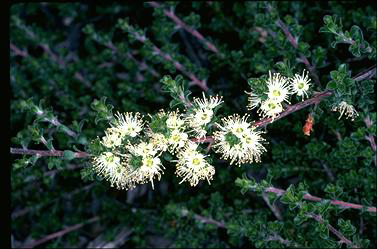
point(331, 85)
point(68, 155)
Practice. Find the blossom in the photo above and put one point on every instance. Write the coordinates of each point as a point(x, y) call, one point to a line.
point(128, 123)
point(112, 138)
point(111, 167)
point(174, 120)
point(349, 110)
point(207, 104)
point(270, 108)
point(159, 141)
point(238, 141)
point(300, 84)
point(145, 163)
point(278, 87)
point(201, 114)
point(192, 165)
point(177, 139)
point(254, 100)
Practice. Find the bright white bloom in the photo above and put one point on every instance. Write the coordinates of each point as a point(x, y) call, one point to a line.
point(270, 108)
point(128, 123)
point(151, 168)
point(238, 141)
point(112, 169)
point(207, 104)
point(192, 166)
point(148, 164)
point(254, 100)
point(300, 84)
point(159, 141)
point(112, 138)
point(143, 149)
point(202, 114)
point(349, 109)
point(177, 139)
point(174, 120)
point(278, 87)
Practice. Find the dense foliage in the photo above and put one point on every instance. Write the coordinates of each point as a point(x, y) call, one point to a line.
point(74, 65)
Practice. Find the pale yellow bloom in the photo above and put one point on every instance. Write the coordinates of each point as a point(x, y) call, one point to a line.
point(278, 88)
point(300, 84)
point(192, 165)
point(270, 108)
point(349, 110)
point(238, 141)
point(128, 123)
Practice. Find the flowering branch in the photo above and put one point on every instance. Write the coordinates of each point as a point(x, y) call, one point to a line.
point(189, 29)
point(338, 234)
point(293, 42)
point(310, 197)
point(42, 153)
point(61, 233)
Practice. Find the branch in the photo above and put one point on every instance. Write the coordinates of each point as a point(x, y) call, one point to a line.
point(369, 73)
point(370, 137)
point(293, 108)
point(203, 219)
point(293, 42)
point(42, 153)
point(310, 197)
point(338, 234)
point(194, 80)
point(189, 29)
point(61, 233)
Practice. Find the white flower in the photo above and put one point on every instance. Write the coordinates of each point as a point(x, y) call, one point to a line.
point(192, 166)
point(278, 88)
point(174, 120)
point(143, 149)
point(254, 100)
point(151, 168)
point(177, 139)
point(300, 84)
point(349, 109)
point(128, 124)
point(205, 104)
point(238, 141)
point(159, 141)
point(112, 138)
point(270, 108)
point(112, 169)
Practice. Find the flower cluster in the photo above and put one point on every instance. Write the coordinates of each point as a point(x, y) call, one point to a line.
point(279, 90)
point(238, 141)
point(349, 110)
point(192, 165)
point(201, 114)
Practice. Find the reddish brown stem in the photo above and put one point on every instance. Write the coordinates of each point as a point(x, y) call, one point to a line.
point(42, 153)
point(189, 29)
point(194, 80)
point(338, 234)
point(310, 197)
point(61, 233)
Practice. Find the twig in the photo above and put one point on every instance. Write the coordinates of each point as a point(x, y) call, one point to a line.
point(370, 137)
point(288, 243)
point(293, 42)
point(273, 208)
point(194, 80)
point(338, 234)
point(310, 197)
point(61, 233)
point(189, 29)
point(203, 219)
point(368, 73)
point(293, 108)
point(42, 153)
